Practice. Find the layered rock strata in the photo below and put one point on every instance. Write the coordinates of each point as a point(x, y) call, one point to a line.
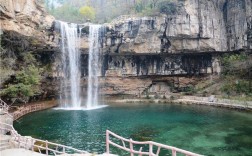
point(145, 54)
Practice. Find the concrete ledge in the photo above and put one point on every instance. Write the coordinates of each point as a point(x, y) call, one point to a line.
point(226, 105)
point(19, 152)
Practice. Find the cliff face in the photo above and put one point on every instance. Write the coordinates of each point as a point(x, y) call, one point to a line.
point(24, 28)
point(142, 54)
point(197, 26)
point(24, 16)
point(189, 42)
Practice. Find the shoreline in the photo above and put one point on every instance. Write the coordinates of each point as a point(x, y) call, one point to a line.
point(193, 100)
point(183, 100)
point(32, 107)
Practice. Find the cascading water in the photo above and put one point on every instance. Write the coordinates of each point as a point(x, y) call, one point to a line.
point(70, 85)
point(93, 66)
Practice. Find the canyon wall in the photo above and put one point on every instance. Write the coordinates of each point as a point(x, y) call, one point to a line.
point(144, 54)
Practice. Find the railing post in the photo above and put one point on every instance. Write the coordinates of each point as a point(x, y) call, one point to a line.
point(19, 142)
point(32, 143)
point(174, 153)
point(150, 149)
point(131, 148)
point(107, 142)
point(64, 150)
point(46, 147)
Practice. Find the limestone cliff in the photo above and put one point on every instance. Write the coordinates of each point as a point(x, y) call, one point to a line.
point(140, 55)
point(26, 18)
point(188, 42)
point(24, 28)
point(197, 26)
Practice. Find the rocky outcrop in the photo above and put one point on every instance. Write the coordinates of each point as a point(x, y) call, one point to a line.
point(25, 17)
point(141, 55)
point(186, 43)
point(197, 26)
point(24, 28)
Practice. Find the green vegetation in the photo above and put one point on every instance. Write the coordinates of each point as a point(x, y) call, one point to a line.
point(237, 75)
point(25, 82)
point(190, 90)
point(101, 11)
point(167, 7)
point(87, 12)
point(67, 13)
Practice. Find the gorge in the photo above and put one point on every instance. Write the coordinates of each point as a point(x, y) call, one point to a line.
point(141, 66)
point(162, 54)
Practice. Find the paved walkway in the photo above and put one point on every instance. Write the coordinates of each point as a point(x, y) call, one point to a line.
point(238, 106)
point(24, 152)
point(19, 152)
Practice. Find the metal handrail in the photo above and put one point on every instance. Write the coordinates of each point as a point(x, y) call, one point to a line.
point(150, 144)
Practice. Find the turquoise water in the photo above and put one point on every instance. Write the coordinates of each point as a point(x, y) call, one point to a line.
point(201, 129)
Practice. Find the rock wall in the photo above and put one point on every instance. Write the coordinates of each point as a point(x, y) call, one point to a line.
point(143, 54)
point(26, 17)
point(197, 26)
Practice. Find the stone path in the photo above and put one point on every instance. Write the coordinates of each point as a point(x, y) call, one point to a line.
point(19, 152)
point(238, 106)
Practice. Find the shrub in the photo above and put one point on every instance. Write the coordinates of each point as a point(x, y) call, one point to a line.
point(189, 90)
point(236, 87)
point(25, 84)
point(167, 7)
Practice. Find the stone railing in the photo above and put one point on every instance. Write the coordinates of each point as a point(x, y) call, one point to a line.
point(150, 144)
point(30, 108)
point(29, 143)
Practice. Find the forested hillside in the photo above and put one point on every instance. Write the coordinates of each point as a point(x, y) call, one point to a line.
point(100, 11)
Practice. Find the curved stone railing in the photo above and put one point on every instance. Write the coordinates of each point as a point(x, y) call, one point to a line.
point(150, 145)
point(29, 143)
point(30, 108)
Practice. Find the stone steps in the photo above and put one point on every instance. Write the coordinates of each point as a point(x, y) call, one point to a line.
point(4, 147)
point(4, 142)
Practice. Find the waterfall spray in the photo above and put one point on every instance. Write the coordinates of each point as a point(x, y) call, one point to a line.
point(93, 66)
point(70, 86)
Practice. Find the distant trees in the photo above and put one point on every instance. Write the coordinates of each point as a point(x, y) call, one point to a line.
point(101, 11)
point(87, 12)
point(237, 74)
point(67, 13)
point(167, 7)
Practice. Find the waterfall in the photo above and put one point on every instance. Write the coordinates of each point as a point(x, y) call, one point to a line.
point(70, 85)
point(93, 66)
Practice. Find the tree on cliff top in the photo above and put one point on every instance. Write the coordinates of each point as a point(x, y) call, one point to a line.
point(87, 12)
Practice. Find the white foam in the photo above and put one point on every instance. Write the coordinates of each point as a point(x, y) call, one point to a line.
point(81, 108)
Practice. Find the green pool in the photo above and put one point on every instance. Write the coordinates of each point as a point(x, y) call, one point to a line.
point(201, 129)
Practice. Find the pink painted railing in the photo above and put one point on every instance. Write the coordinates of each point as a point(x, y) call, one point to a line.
point(150, 144)
point(30, 108)
point(3, 106)
point(45, 147)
